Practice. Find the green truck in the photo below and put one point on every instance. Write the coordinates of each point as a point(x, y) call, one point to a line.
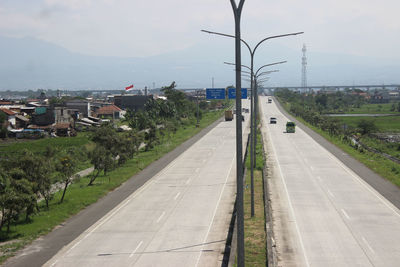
point(290, 127)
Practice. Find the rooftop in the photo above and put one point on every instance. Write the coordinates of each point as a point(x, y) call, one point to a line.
point(108, 109)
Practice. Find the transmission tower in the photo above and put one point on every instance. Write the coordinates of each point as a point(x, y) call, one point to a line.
point(304, 68)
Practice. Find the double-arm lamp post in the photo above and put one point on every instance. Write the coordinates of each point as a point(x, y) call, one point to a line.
point(253, 126)
point(252, 53)
point(237, 11)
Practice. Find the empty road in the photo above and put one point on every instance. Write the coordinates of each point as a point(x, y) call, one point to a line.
point(324, 214)
point(180, 217)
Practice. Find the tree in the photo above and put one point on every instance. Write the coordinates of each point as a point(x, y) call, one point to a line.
point(38, 171)
point(366, 126)
point(67, 168)
point(16, 196)
point(150, 136)
point(178, 98)
point(3, 128)
point(102, 160)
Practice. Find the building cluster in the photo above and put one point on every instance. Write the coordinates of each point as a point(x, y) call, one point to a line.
point(32, 118)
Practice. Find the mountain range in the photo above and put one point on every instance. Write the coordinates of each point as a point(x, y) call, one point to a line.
point(29, 63)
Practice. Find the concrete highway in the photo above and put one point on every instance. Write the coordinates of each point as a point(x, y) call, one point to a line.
point(180, 217)
point(324, 214)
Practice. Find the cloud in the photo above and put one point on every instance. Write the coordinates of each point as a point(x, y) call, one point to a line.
point(145, 28)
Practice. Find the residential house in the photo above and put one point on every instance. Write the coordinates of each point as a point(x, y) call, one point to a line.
point(10, 117)
point(380, 98)
point(109, 112)
point(43, 116)
point(21, 122)
point(394, 95)
point(132, 102)
point(82, 105)
point(65, 115)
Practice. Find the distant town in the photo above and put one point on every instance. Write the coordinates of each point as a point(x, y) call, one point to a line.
point(40, 113)
point(35, 114)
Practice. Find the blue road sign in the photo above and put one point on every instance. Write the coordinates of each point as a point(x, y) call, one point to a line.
point(215, 93)
point(232, 93)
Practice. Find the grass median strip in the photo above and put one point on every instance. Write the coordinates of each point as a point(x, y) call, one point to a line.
point(254, 227)
point(79, 195)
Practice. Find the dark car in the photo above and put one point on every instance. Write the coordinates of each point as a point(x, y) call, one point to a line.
point(272, 120)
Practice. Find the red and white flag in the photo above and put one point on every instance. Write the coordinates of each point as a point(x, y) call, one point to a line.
point(129, 87)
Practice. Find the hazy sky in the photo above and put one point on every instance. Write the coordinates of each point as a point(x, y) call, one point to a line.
point(152, 27)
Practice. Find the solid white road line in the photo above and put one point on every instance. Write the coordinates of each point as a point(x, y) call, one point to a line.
point(369, 247)
point(330, 193)
point(162, 215)
point(345, 214)
point(177, 195)
point(138, 246)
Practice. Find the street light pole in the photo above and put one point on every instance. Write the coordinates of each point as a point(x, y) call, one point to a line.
point(253, 126)
point(253, 115)
point(237, 11)
point(197, 100)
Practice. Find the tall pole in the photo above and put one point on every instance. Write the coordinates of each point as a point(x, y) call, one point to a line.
point(253, 119)
point(197, 99)
point(237, 11)
point(252, 144)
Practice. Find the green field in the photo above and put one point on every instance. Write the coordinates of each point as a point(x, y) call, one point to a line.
point(38, 146)
point(384, 124)
point(374, 109)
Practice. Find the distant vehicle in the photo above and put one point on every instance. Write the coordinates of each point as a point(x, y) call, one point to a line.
point(290, 127)
point(245, 110)
point(228, 115)
point(269, 100)
point(272, 120)
point(238, 116)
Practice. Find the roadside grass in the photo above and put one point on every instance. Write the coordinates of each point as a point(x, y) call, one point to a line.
point(384, 124)
point(374, 109)
point(79, 195)
point(39, 146)
point(392, 149)
point(254, 228)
